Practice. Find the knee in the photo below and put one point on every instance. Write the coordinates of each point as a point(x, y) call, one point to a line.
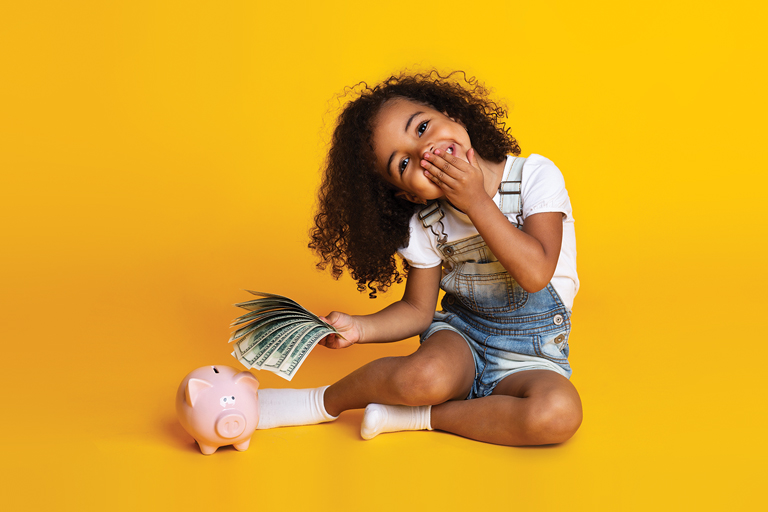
point(554, 418)
point(422, 381)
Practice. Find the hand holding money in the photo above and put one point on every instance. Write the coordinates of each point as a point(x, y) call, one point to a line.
point(277, 334)
point(345, 325)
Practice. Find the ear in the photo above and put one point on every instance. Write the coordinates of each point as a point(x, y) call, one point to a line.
point(247, 379)
point(194, 388)
point(410, 197)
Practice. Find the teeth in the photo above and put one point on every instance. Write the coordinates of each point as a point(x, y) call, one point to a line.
point(450, 151)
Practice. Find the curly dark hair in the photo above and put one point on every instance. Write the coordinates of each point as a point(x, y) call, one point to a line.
point(360, 222)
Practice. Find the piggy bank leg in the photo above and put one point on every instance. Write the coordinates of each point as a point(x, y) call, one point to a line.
point(206, 448)
point(241, 447)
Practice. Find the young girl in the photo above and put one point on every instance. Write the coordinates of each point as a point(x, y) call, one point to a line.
point(422, 166)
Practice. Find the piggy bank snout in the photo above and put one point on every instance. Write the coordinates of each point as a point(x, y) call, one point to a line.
point(230, 424)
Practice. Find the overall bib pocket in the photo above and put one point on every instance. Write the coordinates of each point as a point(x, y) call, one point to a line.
point(484, 287)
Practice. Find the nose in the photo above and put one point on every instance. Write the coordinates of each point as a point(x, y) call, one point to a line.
point(427, 147)
point(230, 426)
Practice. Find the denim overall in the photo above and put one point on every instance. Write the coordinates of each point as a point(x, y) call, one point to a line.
point(507, 328)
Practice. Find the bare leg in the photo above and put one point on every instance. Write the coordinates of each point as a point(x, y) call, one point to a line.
point(532, 407)
point(527, 408)
point(441, 369)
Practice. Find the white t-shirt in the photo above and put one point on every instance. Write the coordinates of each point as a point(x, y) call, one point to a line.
point(543, 190)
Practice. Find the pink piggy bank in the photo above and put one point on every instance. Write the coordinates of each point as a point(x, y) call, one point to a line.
point(219, 406)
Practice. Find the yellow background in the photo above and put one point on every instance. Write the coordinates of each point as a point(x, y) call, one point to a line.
point(159, 157)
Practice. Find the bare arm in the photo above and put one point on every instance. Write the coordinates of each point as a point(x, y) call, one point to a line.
point(405, 318)
point(530, 256)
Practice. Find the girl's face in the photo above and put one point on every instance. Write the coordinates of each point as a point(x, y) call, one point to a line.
point(402, 132)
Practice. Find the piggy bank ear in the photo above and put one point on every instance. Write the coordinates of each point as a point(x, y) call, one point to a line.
point(247, 379)
point(194, 387)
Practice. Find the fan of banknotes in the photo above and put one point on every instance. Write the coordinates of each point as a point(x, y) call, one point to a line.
point(277, 334)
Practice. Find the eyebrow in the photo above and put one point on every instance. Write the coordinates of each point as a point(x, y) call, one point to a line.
point(407, 125)
point(410, 119)
point(389, 163)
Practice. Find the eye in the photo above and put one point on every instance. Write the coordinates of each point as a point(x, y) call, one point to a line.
point(404, 164)
point(225, 400)
point(422, 128)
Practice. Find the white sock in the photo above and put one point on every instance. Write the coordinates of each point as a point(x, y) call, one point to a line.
point(289, 407)
point(391, 418)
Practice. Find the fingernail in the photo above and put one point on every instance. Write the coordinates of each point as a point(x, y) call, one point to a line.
point(437, 151)
point(426, 155)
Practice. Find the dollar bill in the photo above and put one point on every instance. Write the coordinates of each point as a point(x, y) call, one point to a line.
point(264, 336)
point(300, 350)
point(277, 357)
point(277, 334)
point(257, 356)
point(292, 363)
point(265, 320)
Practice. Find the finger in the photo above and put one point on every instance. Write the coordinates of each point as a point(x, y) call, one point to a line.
point(436, 179)
point(330, 341)
point(436, 174)
point(440, 160)
point(452, 160)
point(432, 173)
point(333, 317)
point(473, 160)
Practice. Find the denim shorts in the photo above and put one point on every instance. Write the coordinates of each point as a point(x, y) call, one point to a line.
point(497, 356)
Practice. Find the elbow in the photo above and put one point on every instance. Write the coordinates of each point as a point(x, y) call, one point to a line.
point(536, 283)
point(533, 277)
point(424, 322)
point(533, 288)
point(418, 317)
point(421, 320)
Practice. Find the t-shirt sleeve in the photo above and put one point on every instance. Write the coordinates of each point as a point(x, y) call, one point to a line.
point(543, 188)
point(420, 252)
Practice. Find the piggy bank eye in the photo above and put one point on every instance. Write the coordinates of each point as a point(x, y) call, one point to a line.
point(224, 401)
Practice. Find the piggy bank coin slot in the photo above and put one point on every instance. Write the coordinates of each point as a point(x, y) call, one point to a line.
point(215, 370)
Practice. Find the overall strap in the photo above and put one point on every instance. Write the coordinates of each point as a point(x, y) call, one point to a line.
point(431, 215)
point(510, 189)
